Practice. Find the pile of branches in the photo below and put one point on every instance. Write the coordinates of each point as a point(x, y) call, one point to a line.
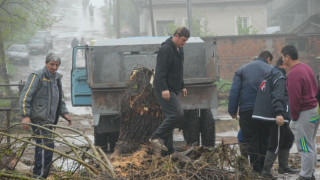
point(204, 163)
point(80, 160)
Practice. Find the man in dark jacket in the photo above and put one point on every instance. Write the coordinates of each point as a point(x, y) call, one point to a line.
point(243, 93)
point(168, 82)
point(41, 103)
point(272, 106)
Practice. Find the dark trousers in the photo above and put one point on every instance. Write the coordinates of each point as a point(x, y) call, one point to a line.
point(42, 157)
point(255, 138)
point(286, 137)
point(172, 114)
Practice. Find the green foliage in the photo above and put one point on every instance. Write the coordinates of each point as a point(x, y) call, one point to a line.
point(20, 19)
point(199, 28)
point(171, 28)
point(5, 103)
point(223, 87)
point(4, 92)
point(223, 102)
point(254, 31)
point(12, 69)
point(244, 30)
point(129, 18)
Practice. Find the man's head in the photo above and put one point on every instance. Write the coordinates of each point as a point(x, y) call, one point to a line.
point(289, 55)
point(181, 36)
point(279, 62)
point(266, 55)
point(52, 63)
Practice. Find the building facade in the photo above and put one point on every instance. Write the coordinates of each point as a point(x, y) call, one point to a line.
point(212, 17)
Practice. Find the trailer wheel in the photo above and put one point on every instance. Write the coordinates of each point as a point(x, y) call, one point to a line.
point(112, 139)
point(100, 139)
point(207, 128)
point(191, 126)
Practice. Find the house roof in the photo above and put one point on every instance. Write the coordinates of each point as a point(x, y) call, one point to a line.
point(285, 7)
point(311, 26)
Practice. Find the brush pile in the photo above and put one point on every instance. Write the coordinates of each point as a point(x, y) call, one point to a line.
point(79, 159)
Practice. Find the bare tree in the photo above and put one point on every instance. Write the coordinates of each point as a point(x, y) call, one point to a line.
point(19, 17)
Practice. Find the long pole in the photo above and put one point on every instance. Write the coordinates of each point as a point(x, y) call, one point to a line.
point(189, 15)
point(117, 18)
point(151, 17)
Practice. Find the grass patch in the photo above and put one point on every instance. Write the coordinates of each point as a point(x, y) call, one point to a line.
point(223, 87)
point(5, 91)
point(11, 68)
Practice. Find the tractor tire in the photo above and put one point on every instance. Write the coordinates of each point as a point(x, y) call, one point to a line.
point(112, 139)
point(191, 126)
point(100, 139)
point(207, 128)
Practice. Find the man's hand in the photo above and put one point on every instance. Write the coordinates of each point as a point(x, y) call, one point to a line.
point(280, 120)
point(234, 116)
point(184, 92)
point(68, 118)
point(25, 120)
point(166, 94)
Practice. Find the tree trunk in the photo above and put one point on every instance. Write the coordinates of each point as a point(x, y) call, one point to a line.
point(3, 69)
point(140, 112)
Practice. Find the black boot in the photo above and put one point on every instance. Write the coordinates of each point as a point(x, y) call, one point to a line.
point(283, 157)
point(267, 166)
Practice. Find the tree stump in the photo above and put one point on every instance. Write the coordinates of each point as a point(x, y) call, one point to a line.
point(140, 112)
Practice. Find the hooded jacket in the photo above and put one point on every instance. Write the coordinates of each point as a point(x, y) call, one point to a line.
point(35, 99)
point(169, 68)
point(272, 98)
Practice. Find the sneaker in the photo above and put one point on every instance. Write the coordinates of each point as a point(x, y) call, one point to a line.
point(158, 142)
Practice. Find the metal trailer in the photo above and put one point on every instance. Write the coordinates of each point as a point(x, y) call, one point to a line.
point(100, 78)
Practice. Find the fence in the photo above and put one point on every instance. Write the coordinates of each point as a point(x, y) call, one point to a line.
point(9, 102)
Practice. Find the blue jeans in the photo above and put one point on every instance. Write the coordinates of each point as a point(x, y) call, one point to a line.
point(173, 113)
point(42, 157)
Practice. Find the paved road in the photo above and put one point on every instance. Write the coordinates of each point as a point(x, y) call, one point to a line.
point(73, 24)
